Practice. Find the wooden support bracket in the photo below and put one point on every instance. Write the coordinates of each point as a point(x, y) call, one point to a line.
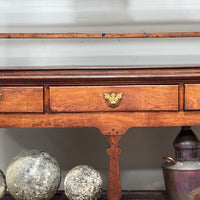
point(114, 183)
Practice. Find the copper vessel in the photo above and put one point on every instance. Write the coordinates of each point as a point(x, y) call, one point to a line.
point(182, 174)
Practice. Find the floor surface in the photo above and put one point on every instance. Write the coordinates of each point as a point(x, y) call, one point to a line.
point(126, 195)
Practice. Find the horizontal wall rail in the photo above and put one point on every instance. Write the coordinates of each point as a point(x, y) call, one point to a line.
point(98, 35)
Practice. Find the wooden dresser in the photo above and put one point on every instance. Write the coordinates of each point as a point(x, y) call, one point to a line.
point(110, 98)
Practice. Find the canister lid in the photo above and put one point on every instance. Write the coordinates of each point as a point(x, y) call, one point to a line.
point(186, 144)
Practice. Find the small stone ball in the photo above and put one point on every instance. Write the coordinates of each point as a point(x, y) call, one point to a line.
point(33, 175)
point(2, 184)
point(83, 183)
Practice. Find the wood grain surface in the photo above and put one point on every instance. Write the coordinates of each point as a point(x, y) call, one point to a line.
point(192, 97)
point(21, 99)
point(100, 35)
point(104, 121)
point(114, 183)
point(135, 98)
point(100, 75)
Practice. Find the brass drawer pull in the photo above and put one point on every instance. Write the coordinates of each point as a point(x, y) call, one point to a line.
point(113, 98)
point(0, 97)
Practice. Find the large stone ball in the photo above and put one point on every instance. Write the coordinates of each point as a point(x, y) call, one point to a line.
point(83, 183)
point(2, 184)
point(33, 175)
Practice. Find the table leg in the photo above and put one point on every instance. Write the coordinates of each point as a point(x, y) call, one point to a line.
point(114, 183)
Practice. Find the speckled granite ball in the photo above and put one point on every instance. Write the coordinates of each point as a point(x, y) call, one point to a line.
point(33, 175)
point(83, 183)
point(2, 184)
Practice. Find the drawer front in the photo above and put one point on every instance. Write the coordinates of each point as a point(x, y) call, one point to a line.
point(114, 98)
point(192, 97)
point(21, 99)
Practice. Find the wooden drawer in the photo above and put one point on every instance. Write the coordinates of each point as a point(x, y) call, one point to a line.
point(135, 98)
point(21, 99)
point(192, 97)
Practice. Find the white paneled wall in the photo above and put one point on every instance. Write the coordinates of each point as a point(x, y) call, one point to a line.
point(99, 16)
point(142, 148)
point(99, 52)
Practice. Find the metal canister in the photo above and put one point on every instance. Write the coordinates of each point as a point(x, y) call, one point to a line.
point(182, 174)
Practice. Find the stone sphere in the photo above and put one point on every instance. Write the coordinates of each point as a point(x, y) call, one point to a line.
point(83, 183)
point(33, 175)
point(2, 184)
